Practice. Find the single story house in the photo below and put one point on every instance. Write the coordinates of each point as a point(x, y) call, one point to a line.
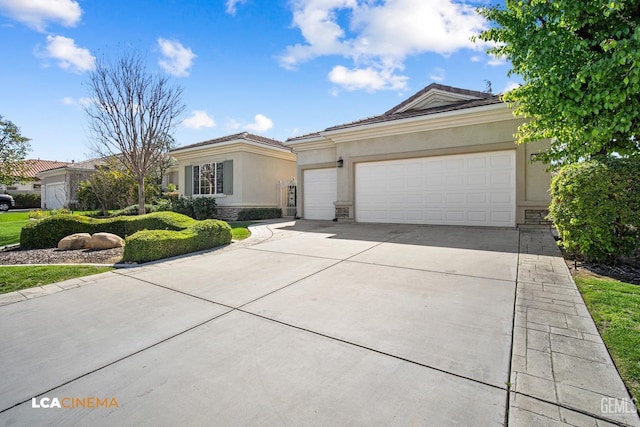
point(60, 185)
point(443, 156)
point(32, 184)
point(240, 171)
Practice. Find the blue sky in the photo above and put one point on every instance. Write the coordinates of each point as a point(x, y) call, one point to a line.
point(278, 68)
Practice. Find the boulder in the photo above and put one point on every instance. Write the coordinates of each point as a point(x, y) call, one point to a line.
point(106, 241)
point(75, 241)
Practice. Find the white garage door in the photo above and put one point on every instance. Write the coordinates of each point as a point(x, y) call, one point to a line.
point(54, 196)
point(320, 190)
point(466, 189)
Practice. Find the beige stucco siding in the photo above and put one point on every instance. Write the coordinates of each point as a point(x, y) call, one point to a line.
point(532, 180)
point(260, 178)
point(256, 172)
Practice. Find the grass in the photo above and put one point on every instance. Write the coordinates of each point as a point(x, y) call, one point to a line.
point(240, 230)
point(11, 224)
point(615, 307)
point(15, 278)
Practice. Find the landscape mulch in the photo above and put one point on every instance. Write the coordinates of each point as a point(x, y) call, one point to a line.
point(56, 256)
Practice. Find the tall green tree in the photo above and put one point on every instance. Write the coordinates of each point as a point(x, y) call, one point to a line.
point(580, 62)
point(13, 150)
point(131, 114)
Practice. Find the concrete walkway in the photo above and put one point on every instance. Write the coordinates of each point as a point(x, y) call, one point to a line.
point(315, 323)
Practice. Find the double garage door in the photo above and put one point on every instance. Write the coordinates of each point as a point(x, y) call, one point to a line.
point(467, 189)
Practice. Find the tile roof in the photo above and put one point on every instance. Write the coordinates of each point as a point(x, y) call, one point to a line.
point(444, 88)
point(34, 166)
point(243, 135)
point(416, 113)
point(481, 99)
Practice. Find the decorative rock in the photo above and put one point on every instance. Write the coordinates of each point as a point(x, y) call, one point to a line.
point(106, 241)
point(75, 241)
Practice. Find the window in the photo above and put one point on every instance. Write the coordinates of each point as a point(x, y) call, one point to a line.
point(207, 178)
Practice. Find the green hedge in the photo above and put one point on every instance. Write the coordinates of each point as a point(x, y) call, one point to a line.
point(259, 213)
point(596, 207)
point(151, 245)
point(25, 200)
point(47, 232)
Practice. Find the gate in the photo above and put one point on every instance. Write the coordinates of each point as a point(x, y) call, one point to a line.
point(288, 197)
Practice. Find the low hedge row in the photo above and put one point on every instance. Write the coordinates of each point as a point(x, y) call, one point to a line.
point(259, 213)
point(26, 200)
point(47, 232)
point(151, 245)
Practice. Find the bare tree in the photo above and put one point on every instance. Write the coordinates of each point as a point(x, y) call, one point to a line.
point(131, 114)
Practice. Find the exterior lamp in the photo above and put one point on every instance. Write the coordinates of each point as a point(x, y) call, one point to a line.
point(340, 162)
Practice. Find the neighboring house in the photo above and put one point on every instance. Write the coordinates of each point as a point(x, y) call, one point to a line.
point(60, 185)
point(239, 171)
point(443, 156)
point(32, 183)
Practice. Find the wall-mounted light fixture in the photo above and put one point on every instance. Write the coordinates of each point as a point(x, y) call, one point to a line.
point(340, 162)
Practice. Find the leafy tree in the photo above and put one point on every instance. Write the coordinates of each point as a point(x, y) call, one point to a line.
point(131, 114)
point(13, 149)
point(580, 62)
point(111, 186)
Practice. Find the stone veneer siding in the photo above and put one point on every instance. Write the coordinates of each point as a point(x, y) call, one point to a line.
point(536, 217)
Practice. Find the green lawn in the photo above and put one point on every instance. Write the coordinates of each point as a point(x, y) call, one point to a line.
point(14, 278)
point(615, 307)
point(10, 225)
point(240, 230)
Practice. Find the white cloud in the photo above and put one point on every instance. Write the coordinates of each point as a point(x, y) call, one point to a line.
point(495, 61)
point(437, 75)
point(37, 13)
point(232, 6)
point(69, 56)
point(261, 123)
point(176, 59)
point(368, 79)
point(199, 119)
point(73, 102)
point(510, 86)
point(379, 35)
point(476, 58)
point(67, 100)
point(233, 124)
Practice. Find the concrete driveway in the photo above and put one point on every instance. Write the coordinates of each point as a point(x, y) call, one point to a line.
point(307, 323)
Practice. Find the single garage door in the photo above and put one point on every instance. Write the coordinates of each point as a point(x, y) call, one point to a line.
point(466, 189)
point(320, 192)
point(54, 196)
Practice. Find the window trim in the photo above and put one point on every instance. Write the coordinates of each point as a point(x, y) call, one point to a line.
point(218, 179)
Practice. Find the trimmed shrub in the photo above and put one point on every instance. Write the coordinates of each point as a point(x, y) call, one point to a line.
point(259, 213)
point(151, 245)
point(596, 207)
point(26, 201)
point(195, 207)
point(47, 232)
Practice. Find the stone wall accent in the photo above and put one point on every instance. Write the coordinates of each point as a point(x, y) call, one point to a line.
point(227, 214)
point(536, 217)
point(342, 212)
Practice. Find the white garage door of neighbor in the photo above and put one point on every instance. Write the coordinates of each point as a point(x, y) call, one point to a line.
point(320, 191)
point(466, 189)
point(54, 196)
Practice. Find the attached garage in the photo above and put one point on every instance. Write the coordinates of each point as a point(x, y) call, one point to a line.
point(54, 195)
point(444, 156)
point(319, 193)
point(467, 189)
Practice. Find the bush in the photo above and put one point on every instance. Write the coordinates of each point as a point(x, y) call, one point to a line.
point(596, 207)
point(195, 207)
point(161, 206)
point(151, 245)
point(259, 213)
point(47, 232)
point(26, 201)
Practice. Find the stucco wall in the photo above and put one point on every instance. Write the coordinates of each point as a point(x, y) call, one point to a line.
point(255, 175)
point(532, 180)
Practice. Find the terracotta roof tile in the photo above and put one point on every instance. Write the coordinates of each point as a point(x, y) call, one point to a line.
point(33, 166)
point(243, 135)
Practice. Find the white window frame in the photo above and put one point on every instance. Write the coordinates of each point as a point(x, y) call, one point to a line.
point(215, 185)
